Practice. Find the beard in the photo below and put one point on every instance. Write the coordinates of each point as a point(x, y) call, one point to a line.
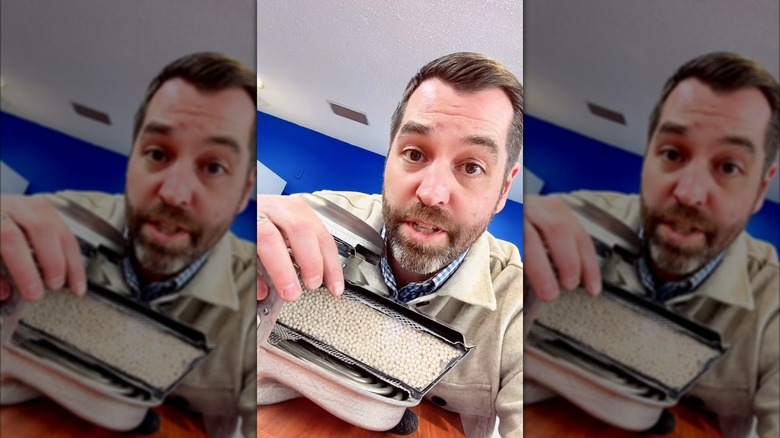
point(679, 259)
point(169, 259)
point(428, 258)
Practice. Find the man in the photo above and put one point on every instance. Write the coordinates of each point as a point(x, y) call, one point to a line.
point(711, 154)
point(190, 172)
point(455, 140)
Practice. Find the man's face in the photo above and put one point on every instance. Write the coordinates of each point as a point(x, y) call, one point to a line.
point(445, 174)
point(702, 176)
point(187, 175)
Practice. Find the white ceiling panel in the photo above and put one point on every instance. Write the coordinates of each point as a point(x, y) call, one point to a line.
point(619, 53)
point(360, 54)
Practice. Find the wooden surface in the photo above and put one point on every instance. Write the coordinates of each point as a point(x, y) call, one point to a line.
point(301, 418)
point(559, 418)
point(46, 419)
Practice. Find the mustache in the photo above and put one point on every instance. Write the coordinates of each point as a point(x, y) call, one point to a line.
point(683, 213)
point(169, 213)
point(428, 213)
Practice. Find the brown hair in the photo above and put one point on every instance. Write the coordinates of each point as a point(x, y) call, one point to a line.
point(470, 72)
point(208, 72)
point(725, 72)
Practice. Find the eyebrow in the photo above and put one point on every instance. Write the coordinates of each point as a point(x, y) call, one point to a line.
point(481, 140)
point(415, 128)
point(220, 140)
point(157, 128)
point(410, 128)
point(682, 130)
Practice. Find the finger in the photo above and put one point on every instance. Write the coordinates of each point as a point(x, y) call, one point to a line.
point(19, 262)
point(5, 289)
point(46, 240)
point(591, 272)
point(77, 274)
point(262, 289)
point(554, 223)
point(334, 273)
point(302, 234)
point(562, 246)
point(537, 266)
point(273, 254)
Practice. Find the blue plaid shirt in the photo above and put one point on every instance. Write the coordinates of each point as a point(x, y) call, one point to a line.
point(416, 290)
point(664, 292)
point(155, 290)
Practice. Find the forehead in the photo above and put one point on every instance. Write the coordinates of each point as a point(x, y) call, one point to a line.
point(696, 105)
point(487, 111)
point(183, 107)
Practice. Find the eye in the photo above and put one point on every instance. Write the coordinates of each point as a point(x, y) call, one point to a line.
point(729, 168)
point(155, 154)
point(213, 168)
point(413, 155)
point(473, 169)
point(671, 155)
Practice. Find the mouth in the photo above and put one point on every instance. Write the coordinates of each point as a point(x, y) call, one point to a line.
point(167, 227)
point(424, 232)
point(426, 228)
point(682, 227)
point(165, 232)
point(681, 232)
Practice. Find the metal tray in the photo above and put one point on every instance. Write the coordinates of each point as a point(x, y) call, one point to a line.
point(651, 316)
point(50, 346)
point(392, 310)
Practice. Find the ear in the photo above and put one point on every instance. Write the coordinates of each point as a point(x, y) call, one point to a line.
point(764, 187)
point(248, 186)
point(506, 185)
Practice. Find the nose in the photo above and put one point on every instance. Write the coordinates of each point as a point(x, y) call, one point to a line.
point(177, 186)
point(691, 188)
point(435, 187)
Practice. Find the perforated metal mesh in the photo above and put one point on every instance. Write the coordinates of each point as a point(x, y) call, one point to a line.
point(364, 333)
point(612, 375)
point(631, 335)
point(345, 364)
point(94, 371)
point(114, 336)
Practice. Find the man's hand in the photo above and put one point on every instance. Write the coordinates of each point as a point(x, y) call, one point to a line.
point(289, 222)
point(37, 249)
point(557, 244)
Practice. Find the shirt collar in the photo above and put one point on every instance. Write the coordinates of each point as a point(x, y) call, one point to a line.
point(214, 284)
point(476, 281)
point(671, 290)
point(666, 291)
point(416, 290)
point(157, 289)
point(730, 283)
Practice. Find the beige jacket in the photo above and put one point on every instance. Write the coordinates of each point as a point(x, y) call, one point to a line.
point(741, 300)
point(483, 299)
point(219, 301)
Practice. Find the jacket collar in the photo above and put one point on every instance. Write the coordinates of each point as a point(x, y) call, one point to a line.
point(729, 283)
point(214, 284)
point(472, 283)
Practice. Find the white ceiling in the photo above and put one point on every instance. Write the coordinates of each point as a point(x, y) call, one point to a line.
point(361, 53)
point(103, 54)
point(619, 53)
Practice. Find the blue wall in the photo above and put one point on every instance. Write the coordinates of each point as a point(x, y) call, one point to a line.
point(310, 161)
point(568, 161)
point(53, 161)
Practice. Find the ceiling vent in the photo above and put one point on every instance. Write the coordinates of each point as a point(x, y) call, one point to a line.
point(91, 113)
point(345, 112)
point(606, 113)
